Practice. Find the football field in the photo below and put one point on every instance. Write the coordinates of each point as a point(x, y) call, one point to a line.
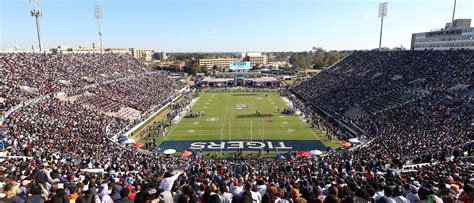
point(247, 120)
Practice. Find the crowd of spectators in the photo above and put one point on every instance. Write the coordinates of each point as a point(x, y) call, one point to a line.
point(422, 127)
point(142, 92)
point(341, 176)
point(366, 74)
point(440, 117)
point(59, 126)
point(100, 102)
point(106, 82)
point(27, 75)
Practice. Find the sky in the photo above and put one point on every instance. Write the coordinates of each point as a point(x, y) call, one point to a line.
point(225, 25)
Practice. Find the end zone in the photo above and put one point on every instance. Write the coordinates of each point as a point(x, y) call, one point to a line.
point(245, 145)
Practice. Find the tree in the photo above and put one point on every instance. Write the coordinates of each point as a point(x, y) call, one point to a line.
point(171, 58)
point(318, 57)
point(300, 61)
point(196, 66)
point(204, 70)
point(332, 57)
point(322, 58)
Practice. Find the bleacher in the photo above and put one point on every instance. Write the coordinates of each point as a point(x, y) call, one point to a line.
point(374, 89)
point(387, 101)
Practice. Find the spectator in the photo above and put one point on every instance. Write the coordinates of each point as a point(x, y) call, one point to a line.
point(124, 196)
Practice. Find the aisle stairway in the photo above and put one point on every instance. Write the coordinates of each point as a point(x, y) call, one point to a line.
point(388, 101)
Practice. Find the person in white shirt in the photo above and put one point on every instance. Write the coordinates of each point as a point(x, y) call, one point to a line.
point(256, 194)
point(226, 197)
point(262, 188)
point(168, 180)
point(237, 189)
point(378, 195)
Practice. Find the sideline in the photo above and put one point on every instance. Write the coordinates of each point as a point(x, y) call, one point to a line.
point(178, 119)
point(147, 120)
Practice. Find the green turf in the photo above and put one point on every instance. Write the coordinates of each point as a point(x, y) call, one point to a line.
point(223, 119)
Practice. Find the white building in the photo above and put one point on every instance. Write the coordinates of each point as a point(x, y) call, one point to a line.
point(456, 35)
point(142, 54)
point(118, 50)
point(256, 59)
point(163, 56)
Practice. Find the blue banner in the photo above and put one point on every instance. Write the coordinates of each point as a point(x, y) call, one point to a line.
point(245, 145)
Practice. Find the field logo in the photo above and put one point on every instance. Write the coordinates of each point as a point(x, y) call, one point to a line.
point(212, 119)
point(240, 106)
point(230, 145)
point(246, 145)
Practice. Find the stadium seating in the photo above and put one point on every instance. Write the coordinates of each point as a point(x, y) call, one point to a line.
point(408, 120)
point(59, 150)
point(366, 75)
point(28, 75)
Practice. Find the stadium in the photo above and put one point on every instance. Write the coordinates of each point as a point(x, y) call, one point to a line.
point(374, 126)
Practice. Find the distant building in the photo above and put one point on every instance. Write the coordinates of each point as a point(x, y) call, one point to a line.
point(82, 49)
point(255, 59)
point(118, 50)
point(219, 62)
point(276, 65)
point(456, 35)
point(87, 48)
point(142, 54)
point(64, 48)
point(163, 56)
point(240, 78)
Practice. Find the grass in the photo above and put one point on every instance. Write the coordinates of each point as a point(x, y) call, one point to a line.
point(223, 119)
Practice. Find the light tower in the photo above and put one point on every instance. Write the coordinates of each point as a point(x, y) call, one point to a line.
point(98, 16)
point(454, 12)
point(382, 13)
point(36, 12)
